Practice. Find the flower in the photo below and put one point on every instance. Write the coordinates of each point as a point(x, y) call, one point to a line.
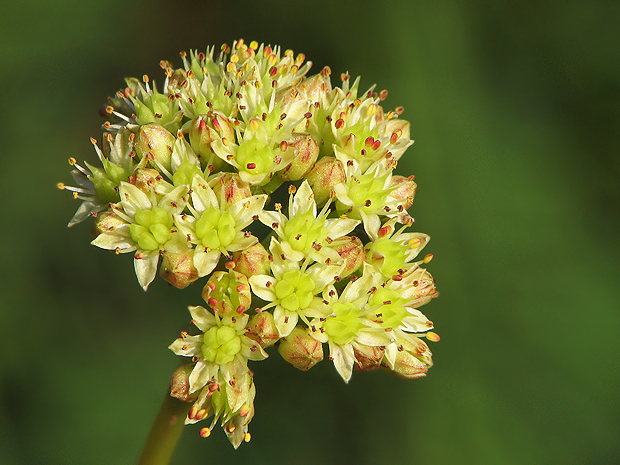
point(145, 226)
point(220, 377)
point(292, 289)
point(304, 234)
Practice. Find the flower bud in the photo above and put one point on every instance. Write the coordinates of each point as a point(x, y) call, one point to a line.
point(314, 86)
point(107, 222)
point(252, 261)
point(424, 285)
point(307, 153)
point(229, 188)
point(352, 251)
point(300, 349)
point(145, 179)
point(179, 384)
point(407, 366)
point(262, 328)
point(228, 292)
point(157, 142)
point(178, 269)
point(403, 189)
point(325, 174)
point(367, 357)
point(204, 130)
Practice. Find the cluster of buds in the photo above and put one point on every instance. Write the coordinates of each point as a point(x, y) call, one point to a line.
point(193, 182)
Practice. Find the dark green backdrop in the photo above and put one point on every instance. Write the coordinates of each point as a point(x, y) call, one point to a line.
point(514, 107)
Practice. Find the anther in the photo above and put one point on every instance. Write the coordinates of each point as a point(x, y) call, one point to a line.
point(250, 166)
point(433, 337)
point(205, 432)
point(428, 258)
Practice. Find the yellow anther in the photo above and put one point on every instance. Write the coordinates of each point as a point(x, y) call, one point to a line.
point(72, 161)
point(234, 58)
point(230, 67)
point(254, 124)
point(145, 78)
point(254, 45)
point(413, 243)
point(428, 258)
point(247, 437)
point(60, 185)
point(205, 432)
point(433, 337)
point(372, 109)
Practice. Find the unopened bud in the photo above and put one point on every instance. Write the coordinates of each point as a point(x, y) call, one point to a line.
point(325, 174)
point(178, 269)
point(367, 357)
point(145, 179)
point(252, 261)
point(227, 292)
point(107, 222)
point(352, 252)
point(262, 328)
point(307, 153)
point(314, 86)
point(156, 142)
point(204, 130)
point(407, 366)
point(300, 349)
point(403, 189)
point(229, 188)
point(179, 384)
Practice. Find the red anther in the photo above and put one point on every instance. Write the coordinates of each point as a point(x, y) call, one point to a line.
point(241, 309)
point(216, 124)
point(230, 265)
point(308, 115)
point(212, 286)
point(385, 230)
point(202, 125)
point(369, 141)
point(399, 110)
point(376, 145)
point(397, 277)
point(241, 288)
point(339, 123)
point(383, 94)
point(394, 138)
point(212, 302)
point(283, 146)
point(250, 166)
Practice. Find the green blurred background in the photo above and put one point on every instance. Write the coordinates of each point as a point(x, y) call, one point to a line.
point(515, 110)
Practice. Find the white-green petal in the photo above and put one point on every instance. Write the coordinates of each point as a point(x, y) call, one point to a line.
point(146, 267)
point(244, 210)
point(285, 320)
point(261, 288)
point(174, 201)
point(203, 196)
point(268, 218)
point(113, 241)
point(339, 227)
point(205, 262)
point(416, 323)
point(202, 318)
point(133, 199)
point(303, 201)
point(187, 347)
point(344, 359)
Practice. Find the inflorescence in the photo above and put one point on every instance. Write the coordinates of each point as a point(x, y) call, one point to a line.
point(278, 188)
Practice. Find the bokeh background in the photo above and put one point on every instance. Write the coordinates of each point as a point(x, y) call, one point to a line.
point(515, 110)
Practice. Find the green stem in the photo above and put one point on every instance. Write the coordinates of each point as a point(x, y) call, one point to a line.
point(165, 432)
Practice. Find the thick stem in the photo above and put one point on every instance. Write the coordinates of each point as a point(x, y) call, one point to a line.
point(165, 432)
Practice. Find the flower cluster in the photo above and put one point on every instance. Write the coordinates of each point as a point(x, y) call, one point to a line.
point(278, 189)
